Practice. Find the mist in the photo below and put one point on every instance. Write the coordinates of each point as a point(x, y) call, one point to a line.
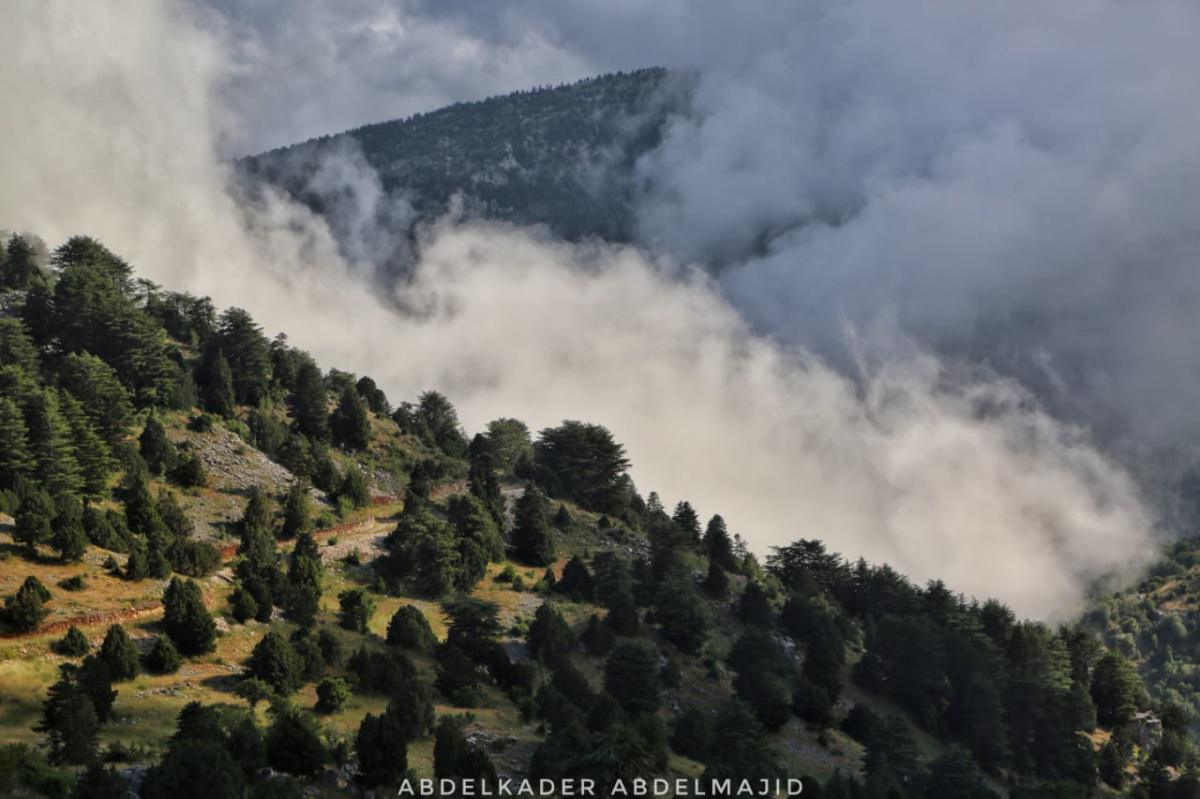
point(899, 454)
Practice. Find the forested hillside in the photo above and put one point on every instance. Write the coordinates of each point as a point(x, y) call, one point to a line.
point(229, 572)
point(562, 157)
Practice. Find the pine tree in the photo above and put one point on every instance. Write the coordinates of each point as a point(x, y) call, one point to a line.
point(69, 537)
point(382, 748)
point(679, 611)
point(156, 449)
point(185, 619)
point(1115, 690)
point(69, 720)
point(349, 423)
point(716, 582)
point(25, 609)
point(754, 608)
point(478, 539)
point(95, 384)
point(576, 580)
point(456, 758)
point(304, 581)
point(356, 609)
point(190, 473)
point(92, 453)
point(718, 545)
point(532, 536)
point(586, 462)
point(119, 654)
point(482, 482)
point(687, 522)
point(21, 265)
point(242, 605)
point(15, 461)
point(216, 383)
point(276, 663)
point(164, 658)
point(631, 675)
point(297, 511)
point(353, 487)
point(293, 743)
point(50, 443)
point(248, 353)
point(16, 348)
point(74, 644)
point(373, 395)
point(34, 515)
point(409, 629)
point(308, 402)
point(549, 638)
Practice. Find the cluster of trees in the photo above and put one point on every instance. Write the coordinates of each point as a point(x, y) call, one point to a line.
point(266, 580)
point(82, 699)
point(546, 143)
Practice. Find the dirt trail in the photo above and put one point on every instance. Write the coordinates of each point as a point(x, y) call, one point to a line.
point(369, 529)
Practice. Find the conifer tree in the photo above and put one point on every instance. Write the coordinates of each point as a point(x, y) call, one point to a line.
point(21, 268)
point(631, 675)
point(33, 518)
point(456, 758)
point(68, 537)
point(164, 658)
point(74, 644)
point(382, 748)
point(190, 473)
point(356, 609)
point(293, 743)
point(15, 461)
point(549, 638)
point(532, 536)
point(248, 354)
point(308, 402)
point(410, 629)
point(50, 444)
point(679, 611)
point(687, 522)
point(26, 608)
point(216, 382)
point(156, 450)
point(718, 545)
point(754, 608)
point(482, 482)
point(349, 423)
point(119, 654)
point(353, 487)
point(716, 582)
point(276, 663)
point(373, 395)
point(304, 581)
point(92, 453)
point(297, 511)
point(105, 400)
point(69, 720)
point(16, 347)
point(185, 619)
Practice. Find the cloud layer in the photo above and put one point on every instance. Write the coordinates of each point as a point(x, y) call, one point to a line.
point(943, 471)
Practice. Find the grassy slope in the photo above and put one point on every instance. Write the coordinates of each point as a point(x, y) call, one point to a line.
point(146, 708)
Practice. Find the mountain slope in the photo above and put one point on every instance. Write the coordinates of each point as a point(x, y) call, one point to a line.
point(562, 157)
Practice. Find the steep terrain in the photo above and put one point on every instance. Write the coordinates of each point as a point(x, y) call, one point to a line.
point(228, 572)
